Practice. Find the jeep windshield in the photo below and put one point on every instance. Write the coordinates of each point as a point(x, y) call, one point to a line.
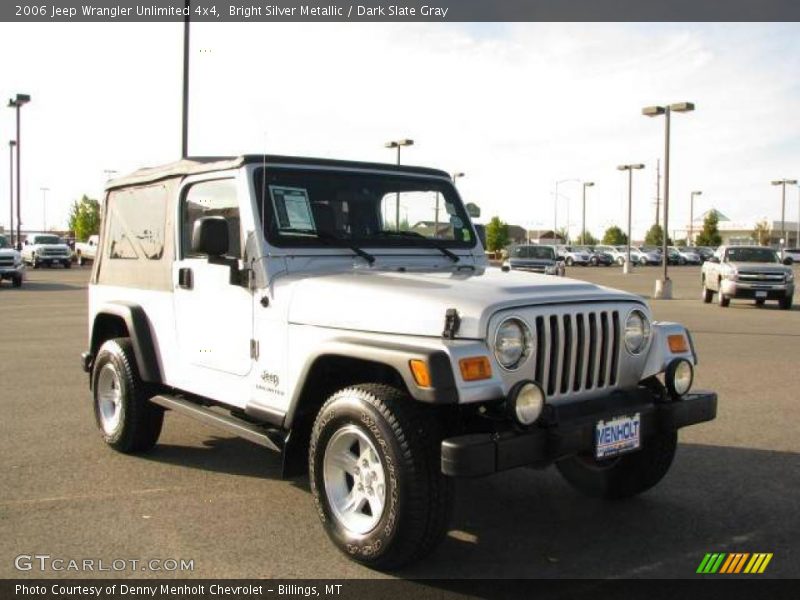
point(324, 208)
point(752, 255)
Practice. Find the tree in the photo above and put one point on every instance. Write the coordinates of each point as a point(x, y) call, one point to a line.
point(589, 239)
point(761, 233)
point(710, 235)
point(496, 235)
point(614, 236)
point(84, 218)
point(681, 243)
point(655, 237)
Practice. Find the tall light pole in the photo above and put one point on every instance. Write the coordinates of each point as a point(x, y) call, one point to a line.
point(690, 242)
point(555, 219)
point(797, 239)
point(456, 175)
point(44, 207)
point(398, 144)
point(783, 183)
point(583, 220)
point(18, 103)
point(185, 99)
point(630, 169)
point(664, 286)
point(11, 144)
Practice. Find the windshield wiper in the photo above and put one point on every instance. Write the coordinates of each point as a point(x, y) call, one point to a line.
point(414, 234)
point(329, 237)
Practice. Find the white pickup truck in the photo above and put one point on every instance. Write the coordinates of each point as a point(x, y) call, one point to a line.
point(46, 249)
point(86, 251)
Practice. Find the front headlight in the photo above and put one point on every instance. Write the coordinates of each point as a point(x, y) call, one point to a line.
point(637, 331)
point(731, 274)
point(789, 277)
point(512, 343)
point(550, 270)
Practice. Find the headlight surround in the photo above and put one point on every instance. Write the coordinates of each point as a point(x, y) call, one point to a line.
point(512, 343)
point(637, 331)
point(679, 377)
point(789, 277)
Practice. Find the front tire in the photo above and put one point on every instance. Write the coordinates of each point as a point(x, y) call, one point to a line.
point(17, 282)
point(723, 300)
point(374, 468)
point(127, 420)
point(626, 475)
point(786, 302)
point(706, 294)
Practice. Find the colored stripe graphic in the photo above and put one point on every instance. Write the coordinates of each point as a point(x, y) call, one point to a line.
point(734, 563)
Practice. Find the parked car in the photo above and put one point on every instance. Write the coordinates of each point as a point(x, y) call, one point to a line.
point(702, 251)
point(574, 255)
point(685, 256)
point(11, 265)
point(793, 253)
point(278, 299)
point(599, 257)
point(617, 255)
point(752, 272)
point(534, 258)
point(649, 255)
point(46, 249)
point(86, 251)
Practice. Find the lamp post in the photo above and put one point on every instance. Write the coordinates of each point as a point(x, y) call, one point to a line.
point(44, 207)
point(11, 144)
point(690, 241)
point(783, 183)
point(630, 169)
point(664, 286)
point(18, 103)
point(398, 144)
point(586, 184)
point(456, 175)
point(555, 219)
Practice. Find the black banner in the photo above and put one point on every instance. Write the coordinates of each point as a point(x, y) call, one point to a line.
point(400, 11)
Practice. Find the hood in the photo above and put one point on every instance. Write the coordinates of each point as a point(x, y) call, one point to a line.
point(748, 267)
point(6, 252)
point(50, 246)
point(414, 303)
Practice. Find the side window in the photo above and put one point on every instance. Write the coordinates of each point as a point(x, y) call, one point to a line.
point(215, 198)
point(137, 223)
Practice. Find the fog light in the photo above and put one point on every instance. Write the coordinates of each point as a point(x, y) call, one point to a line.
point(679, 377)
point(526, 401)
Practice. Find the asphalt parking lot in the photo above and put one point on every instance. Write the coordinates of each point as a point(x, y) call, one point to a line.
point(218, 500)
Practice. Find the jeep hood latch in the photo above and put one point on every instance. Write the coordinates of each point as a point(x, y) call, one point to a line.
point(451, 324)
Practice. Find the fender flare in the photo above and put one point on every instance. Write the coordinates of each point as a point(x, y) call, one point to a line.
point(141, 335)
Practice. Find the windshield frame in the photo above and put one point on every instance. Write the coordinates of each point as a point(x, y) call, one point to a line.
point(387, 242)
point(37, 239)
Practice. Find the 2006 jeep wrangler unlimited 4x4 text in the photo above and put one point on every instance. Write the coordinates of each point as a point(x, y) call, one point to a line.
point(344, 315)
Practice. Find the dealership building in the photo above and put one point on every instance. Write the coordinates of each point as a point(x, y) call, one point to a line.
point(740, 233)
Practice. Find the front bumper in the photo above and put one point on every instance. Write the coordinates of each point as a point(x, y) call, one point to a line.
point(11, 272)
point(569, 429)
point(739, 289)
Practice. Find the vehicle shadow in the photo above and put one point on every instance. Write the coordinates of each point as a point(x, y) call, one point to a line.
point(529, 523)
point(47, 286)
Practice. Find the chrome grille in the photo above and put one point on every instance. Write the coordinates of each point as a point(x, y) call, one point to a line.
point(577, 351)
point(53, 252)
point(7, 261)
point(762, 277)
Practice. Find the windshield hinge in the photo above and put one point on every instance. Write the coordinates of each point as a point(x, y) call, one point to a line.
point(254, 349)
point(451, 323)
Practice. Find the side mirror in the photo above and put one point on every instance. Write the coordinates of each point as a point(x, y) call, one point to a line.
point(788, 261)
point(210, 236)
point(713, 259)
point(473, 210)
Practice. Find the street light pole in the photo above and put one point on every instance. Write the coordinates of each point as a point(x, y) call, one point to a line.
point(783, 183)
point(664, 286)
point(630, 169)
point(398, 144)
point(583, 219)
point(18, 103)
point(555, 200)
point(689, 242)
point(11, 144)
point(44, 207)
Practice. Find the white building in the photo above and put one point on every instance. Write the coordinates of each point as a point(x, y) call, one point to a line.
point(739, 233)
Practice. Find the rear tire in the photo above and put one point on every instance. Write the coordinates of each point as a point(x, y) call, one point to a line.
point(127, 420)
point(395, 508)
point(625, 476)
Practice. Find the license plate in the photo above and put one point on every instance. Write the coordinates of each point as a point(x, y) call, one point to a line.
point(761, 294)
point(617, 436)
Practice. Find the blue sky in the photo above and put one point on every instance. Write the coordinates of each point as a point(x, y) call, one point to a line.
point(514, 106)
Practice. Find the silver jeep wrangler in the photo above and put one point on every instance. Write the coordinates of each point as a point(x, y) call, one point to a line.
point(344, 315)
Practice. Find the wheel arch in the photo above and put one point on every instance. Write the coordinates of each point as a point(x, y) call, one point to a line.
point(125, 319)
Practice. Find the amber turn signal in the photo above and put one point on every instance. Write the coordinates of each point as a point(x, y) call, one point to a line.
point(420, 371)
point(475, 368)
point(678, 343)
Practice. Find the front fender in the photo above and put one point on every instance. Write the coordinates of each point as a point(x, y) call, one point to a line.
point(660, 355)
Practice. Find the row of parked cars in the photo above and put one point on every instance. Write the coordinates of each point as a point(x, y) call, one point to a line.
point(42, 250)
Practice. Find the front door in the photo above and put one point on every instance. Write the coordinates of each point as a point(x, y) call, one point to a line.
point(213, 310)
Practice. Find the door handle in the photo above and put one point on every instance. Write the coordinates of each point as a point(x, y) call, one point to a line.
point(185, 279)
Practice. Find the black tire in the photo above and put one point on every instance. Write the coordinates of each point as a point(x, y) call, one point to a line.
point(706, 294)
point(68, 264)
point(17, 282)
point(723, 300)
point(569, 261)
point(418, 498)
point(139, 423)
point(34, 262)
point(626, 475)
point(786, 302)
point(593, 261)
point(760, 301)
